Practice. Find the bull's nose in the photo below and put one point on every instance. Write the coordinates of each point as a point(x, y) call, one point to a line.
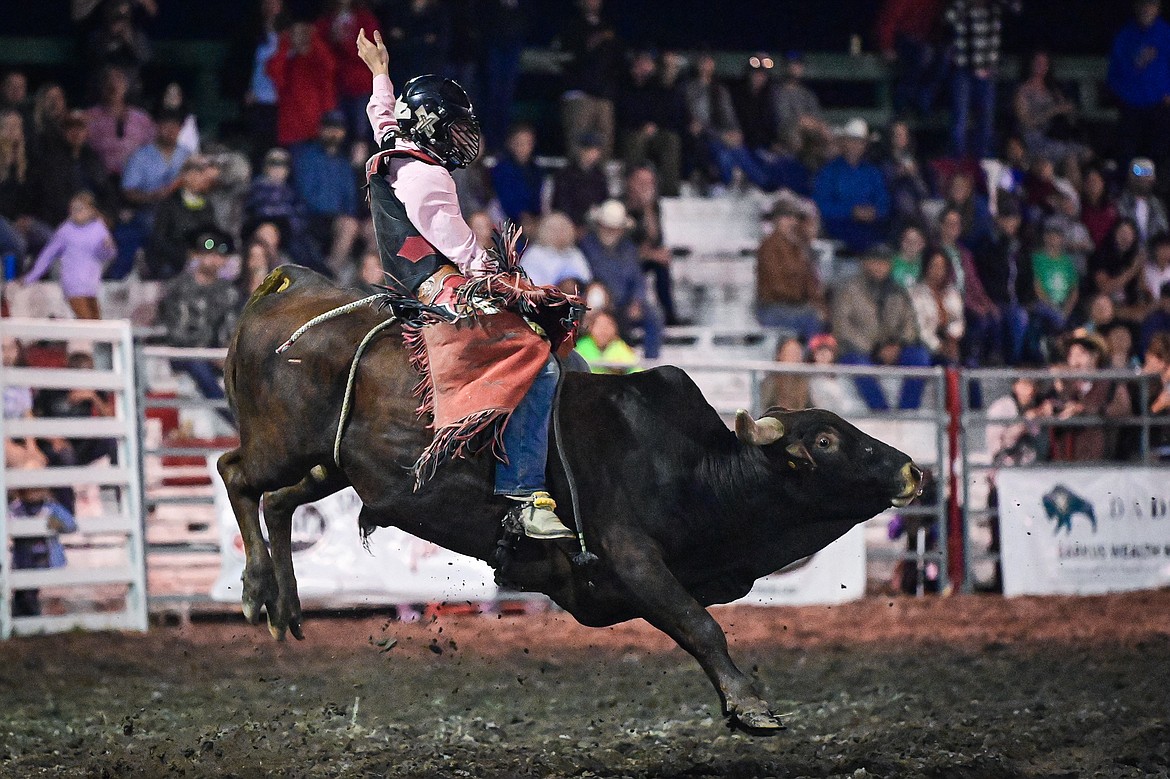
point(911, 484)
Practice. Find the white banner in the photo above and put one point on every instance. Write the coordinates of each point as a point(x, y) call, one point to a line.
point(835, 574)
point(1081, 531)
point(332, 566)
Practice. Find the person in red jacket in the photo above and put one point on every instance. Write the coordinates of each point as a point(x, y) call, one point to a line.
point(907, 35)
point(303, 70)
point(338, 27)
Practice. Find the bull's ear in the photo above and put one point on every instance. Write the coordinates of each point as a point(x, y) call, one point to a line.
point(799, 456)
point(767, 430)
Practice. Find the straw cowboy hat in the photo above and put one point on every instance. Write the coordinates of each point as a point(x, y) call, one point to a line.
point(611, 214)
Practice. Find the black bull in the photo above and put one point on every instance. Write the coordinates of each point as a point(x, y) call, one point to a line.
point(682, 512)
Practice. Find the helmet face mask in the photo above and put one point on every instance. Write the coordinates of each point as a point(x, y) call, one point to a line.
point(435, 113)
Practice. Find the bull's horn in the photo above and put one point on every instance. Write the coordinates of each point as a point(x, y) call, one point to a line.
point(766, 430)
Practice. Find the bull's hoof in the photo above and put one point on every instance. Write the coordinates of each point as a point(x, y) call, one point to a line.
point(756, 723)
point(260, 592)
point(285, 618)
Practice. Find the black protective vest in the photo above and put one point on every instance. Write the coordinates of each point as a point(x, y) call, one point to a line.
point(406, 256)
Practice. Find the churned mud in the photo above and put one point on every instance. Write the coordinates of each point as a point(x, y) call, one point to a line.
point(943, 687)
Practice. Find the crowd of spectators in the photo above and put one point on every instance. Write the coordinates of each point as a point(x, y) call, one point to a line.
point(958, 262)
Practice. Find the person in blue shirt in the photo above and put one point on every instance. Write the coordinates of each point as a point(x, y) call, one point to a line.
point(37, 551)
point(851, 193)
point(324, 180)
point(1139, 75)
point(516, 178)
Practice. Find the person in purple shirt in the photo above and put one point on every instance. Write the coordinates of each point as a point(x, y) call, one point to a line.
point(83, 245)
point(1139, 75)
point(851, 193)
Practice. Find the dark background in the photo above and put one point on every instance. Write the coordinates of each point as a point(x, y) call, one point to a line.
point(1065, 26)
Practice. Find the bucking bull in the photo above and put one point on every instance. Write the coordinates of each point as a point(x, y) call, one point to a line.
point(681, 512)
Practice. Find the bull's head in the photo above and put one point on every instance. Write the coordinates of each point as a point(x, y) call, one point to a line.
point(835, 460)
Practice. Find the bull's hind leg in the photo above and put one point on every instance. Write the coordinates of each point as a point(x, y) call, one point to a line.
point(259, 581)
point(278, 511)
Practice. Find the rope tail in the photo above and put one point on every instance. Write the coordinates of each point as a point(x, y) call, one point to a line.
point(347, 399)
point(585, 557)
point(332, 313)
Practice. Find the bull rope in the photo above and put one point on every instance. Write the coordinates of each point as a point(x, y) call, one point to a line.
point(336, 312)
point(348, 397)
point(585, 557)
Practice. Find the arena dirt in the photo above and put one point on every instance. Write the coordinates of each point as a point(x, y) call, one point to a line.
point(976, 687)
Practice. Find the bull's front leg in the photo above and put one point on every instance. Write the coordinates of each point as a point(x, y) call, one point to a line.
point(663, 602)
point(278, 511)
point(259, 580)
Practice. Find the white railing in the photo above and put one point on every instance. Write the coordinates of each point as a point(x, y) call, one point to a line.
point(107, 549)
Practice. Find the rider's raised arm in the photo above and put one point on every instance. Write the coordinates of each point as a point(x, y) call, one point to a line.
point(428, 193)
point(380, 109)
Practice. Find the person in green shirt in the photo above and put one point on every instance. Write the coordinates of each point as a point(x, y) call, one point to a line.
point(907, 264)
point(1055, 278)
point(602, 345)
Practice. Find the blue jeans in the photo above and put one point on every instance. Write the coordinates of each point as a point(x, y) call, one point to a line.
point(920, 72)
point(971, 94)
point(871, 391)
point(766, 170)
point(526, 436)
point(802, 319)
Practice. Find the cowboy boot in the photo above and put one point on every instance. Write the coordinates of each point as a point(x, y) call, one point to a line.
point(538, 518)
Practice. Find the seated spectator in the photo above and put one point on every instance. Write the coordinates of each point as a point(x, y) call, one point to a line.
point(939, 308)
point(874, 321)
point(613, 258)
point(83, 245)
point(1018, 439)
point(199, 309)
point(14, 96)
point(907, 261)
point(650, 120)
point(116, 128)
point(324, 181)
point(786, 390)
point(826, 390)
point(973, 208)
point(710, 116)
point(1056, 284)
point(1098, 212)
point(1085, 397)
point(1156, 369)
point(1039, 189)
point(338, 28)
point(152, 175)
point(1004, 266)
point(304, 73)
point(581, 185)
point(80, 404)
point(1115, 269)
point(68, 165)
point(48, 112)
point(1156, 272)
point(592, 73)
point(904, 177)
point(259, 260)
point(186, 211)
point(755, 104)
point(789, 293)
point(18, 404)
point(1119, 338)
point(473, 185)
point(985, 322)
point(1046, 117)
point(1067, 211)
point(642, 204)
point(516, 178)
point(1158, 320)
point(554, 256)
point(602, 346)
point(1139, 203)
point(798, 110)
point(271, 199)
point(36, 552)
point(18, 179)
point(851, 193)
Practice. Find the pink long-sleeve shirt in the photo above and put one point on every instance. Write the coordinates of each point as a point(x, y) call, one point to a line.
point(83, 251)
point(427, 191)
